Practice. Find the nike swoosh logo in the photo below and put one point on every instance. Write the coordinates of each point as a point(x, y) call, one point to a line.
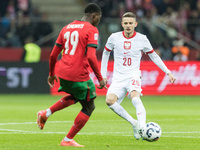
point(139, 113)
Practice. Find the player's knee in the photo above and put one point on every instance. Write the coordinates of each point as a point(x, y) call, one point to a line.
point(109, 102)
point(91, 109)
point(88, 109)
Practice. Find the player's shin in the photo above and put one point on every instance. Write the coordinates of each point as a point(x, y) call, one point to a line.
point(79, 123)
point(140, 111)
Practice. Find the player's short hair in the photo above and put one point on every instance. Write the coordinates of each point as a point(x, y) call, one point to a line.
point(92, 8)
point(129, 14)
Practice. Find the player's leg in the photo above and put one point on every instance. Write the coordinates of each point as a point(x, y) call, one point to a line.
point(118, 109)
point(43, 115)
point(140, 110)
point(81, 119)
point(79, 122)
point(135, 90)
point(86, 98)
point(61, 104)
point(114, 97)
point(64, 102)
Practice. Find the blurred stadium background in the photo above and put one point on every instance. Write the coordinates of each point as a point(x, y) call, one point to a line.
point(173, 28)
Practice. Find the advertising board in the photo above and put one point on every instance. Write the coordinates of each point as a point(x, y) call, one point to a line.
point(155, 81)
point(19, 77)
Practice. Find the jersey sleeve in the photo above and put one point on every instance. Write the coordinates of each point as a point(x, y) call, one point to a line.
point(110, 43)
point(147, 46)
point(92, 59)
point(106, 54)
point(91, 52)
point(53, 59)
point(104, 63)
point(93, 35)
point(157, 60)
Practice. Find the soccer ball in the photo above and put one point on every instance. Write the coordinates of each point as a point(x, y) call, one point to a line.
point(151, 132)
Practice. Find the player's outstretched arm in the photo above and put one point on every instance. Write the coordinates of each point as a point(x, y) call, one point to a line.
point(157, 60)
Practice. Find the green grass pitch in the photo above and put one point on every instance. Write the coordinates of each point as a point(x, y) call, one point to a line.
point(178, 116)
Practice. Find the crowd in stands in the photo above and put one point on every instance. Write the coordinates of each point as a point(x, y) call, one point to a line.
point(181, 16)
point(19, 20)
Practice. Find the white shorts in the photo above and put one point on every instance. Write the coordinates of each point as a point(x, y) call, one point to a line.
point(121, 87)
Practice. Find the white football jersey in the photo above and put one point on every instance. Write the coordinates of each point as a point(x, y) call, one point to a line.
point(127, 53)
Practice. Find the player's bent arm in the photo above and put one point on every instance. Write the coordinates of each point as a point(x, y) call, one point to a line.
point(104, 62)
point(92, 59)
point(157, 60)
point(53, 59)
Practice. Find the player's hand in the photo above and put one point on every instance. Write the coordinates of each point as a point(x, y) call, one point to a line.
point(172, 79)
point(50, 80)
point(105, 80)
point(102, 85)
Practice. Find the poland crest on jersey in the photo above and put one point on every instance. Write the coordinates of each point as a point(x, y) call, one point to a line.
point(127, 45)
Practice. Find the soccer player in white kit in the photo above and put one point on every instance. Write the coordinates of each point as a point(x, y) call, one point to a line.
point(128, 46)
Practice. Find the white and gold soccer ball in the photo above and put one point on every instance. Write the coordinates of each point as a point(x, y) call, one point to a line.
point(151, 132)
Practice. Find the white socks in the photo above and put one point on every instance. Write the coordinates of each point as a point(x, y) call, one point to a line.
point(48, 114)
point(118, 109)
point(67, 139)
point(140, 111)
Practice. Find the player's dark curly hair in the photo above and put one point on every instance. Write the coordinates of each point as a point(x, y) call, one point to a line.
point(92, 8)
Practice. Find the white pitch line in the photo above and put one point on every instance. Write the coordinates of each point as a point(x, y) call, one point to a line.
point(175, 132)
point(11, 131)
point(30, 132)
point(91, 133)
point(84, 133)
point(15, 123)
